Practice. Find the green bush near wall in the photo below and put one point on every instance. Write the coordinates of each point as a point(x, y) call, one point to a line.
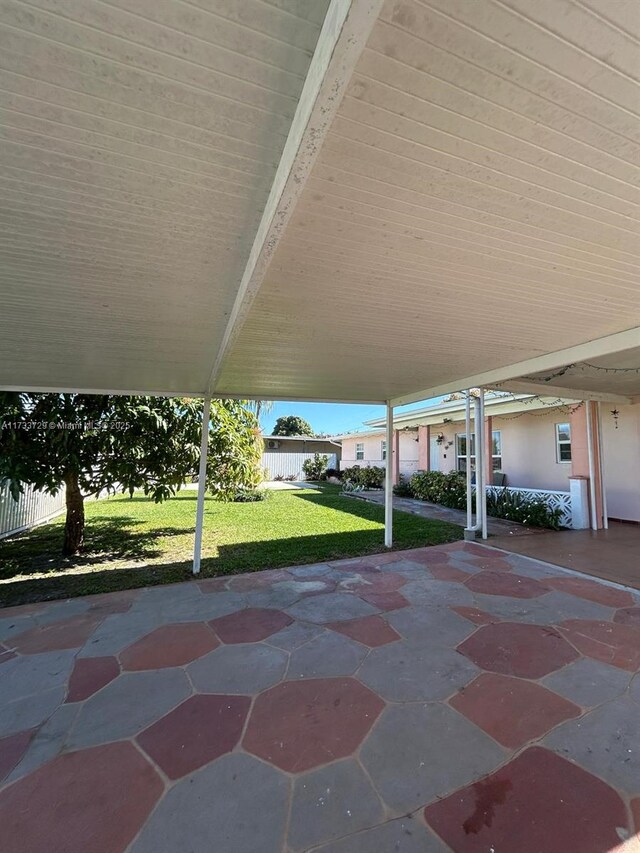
point(370, 478)
point(450, 490)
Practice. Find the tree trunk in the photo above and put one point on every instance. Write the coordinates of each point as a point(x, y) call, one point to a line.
point(74, 527)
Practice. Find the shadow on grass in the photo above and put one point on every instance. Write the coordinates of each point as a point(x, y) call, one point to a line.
point(232, 559)
point(114, 538)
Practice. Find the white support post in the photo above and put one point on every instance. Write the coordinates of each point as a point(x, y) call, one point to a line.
point(603, 485)
point(388, 482)
point(592, 469)
point(481, 480)
point(202, 483)
point(469, 532)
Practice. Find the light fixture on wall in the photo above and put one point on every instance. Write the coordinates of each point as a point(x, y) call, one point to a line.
point(440, 438)
point(616, 415)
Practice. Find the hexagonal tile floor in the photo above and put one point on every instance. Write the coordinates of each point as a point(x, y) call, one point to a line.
point(440, 699)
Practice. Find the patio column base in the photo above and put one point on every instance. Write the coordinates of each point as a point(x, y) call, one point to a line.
point(469, 534)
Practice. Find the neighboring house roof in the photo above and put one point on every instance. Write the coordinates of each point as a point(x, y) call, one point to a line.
point(326, 439)
point(498, 403)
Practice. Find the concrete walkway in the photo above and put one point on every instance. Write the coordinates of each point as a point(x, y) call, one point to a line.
point(451, 698)
point(612, 554)
point(495, 526)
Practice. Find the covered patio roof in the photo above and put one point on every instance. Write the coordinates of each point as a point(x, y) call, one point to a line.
point(360, 200)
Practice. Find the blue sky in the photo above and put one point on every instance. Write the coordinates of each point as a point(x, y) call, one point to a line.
point(331, 418)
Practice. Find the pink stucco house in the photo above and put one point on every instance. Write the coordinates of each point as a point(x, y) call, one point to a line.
point(532, 443)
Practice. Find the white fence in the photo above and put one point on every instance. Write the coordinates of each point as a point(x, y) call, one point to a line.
point(32, 508)
point(553, 499)
point(290, 464)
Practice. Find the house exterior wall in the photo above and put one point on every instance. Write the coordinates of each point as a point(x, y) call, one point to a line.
point(529, 457)
point(621, 449)
point(373, 452)
point(529, 451)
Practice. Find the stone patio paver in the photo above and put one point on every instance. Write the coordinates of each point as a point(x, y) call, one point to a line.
point(95, 799)
point(608, 642)
point(195, 733)
point(169, 645)
point(325, 655)
point(295, 635)
point(404, 835)
point(70, 633)
point(511, 710)
point(601, 593)
point(503, 583)
point(537, 802)
point(47, 742)
point(420, 626)
point(331, 802)
point(550, 609)
point(322, 708)
point(12, 749)
point(127, 705)
point(243, 668)
point(332, 607)
point(90, 675)
point(628, 616)
point(250, 626)
point(510, 648)
point(26, 676)
point(300, 725)
point(236, 804)
point(401, 672)
point(605, 741)
point(409, 754)
point(371, 631)
point(588, 682)
point(30, 711)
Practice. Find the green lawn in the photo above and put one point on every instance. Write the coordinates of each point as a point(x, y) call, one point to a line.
point(134, 542)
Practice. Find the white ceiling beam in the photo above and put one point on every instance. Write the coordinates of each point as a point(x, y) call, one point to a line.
point(608, 345)
point(523, 387)
point(344, 34)
point(121, 392)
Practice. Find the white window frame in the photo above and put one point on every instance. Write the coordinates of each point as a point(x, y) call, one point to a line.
point(383, 449)
point(494, 456)
point(359, 451)
point(460, 456)
point(563, 443)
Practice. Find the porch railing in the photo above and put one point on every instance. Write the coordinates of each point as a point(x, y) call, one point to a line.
point(553, 499)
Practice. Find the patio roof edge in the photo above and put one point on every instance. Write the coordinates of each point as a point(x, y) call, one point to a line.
point(607, 345)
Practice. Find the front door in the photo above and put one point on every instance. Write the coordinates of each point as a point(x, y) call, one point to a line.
point(434, 454)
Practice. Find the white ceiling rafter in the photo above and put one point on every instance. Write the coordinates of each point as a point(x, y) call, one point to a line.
point(343, 37)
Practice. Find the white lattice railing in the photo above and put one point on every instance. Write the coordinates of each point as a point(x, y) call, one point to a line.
point(555, 500)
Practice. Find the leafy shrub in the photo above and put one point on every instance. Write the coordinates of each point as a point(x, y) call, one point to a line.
point(279, 477)
point(448, 490)
point(332, 472)
point(403, 489)
point(291, 478)
point(246, 496)
point(369, 478)
point(516, 507)
point(314, 468)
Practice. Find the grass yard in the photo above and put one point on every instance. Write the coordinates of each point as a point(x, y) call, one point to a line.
point(134, 542)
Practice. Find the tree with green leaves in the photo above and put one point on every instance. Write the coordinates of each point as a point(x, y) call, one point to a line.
point(92, 444)
point(292, 425)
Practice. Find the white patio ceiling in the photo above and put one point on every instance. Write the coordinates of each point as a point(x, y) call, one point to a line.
point(456, 200)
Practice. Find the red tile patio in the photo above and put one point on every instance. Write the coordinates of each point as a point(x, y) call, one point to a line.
point(429, 700)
